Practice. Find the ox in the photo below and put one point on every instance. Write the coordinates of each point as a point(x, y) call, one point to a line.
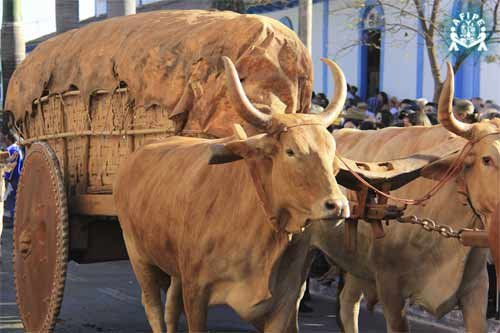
point(410, 263)
point(222, 231)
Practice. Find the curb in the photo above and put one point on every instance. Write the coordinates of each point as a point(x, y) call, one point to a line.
point(452, 321)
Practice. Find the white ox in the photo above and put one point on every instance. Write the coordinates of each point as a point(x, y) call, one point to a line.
point(409, 262)
point(220, 231)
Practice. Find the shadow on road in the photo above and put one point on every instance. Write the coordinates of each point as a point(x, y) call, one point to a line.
point(105, 297)
point(9, 316)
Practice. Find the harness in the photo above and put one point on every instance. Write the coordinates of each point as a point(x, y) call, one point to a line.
point(452, 170)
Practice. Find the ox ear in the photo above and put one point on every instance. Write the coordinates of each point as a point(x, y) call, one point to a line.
point(437, 169)
point(254, 146)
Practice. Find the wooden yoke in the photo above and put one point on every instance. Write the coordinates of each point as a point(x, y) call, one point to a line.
point(371, 208)
point(385, 176)
point(351, 223)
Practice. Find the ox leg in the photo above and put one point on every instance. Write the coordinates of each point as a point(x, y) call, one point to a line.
point(150, 280)
point(350, 299)
point(393, 303)
point(285, 318)
point(474, 305)
point(173, 305)
point(284, 323)
point(195, 301)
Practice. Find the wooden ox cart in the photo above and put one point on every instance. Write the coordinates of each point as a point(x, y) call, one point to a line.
point(84, 100)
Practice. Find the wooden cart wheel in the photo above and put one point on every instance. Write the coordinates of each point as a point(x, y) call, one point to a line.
point(41, 239)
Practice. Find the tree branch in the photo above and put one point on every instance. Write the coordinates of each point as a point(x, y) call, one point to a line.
point(434, 13)
point(420, 15)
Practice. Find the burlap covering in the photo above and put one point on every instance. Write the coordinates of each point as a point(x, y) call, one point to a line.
point(172, 59)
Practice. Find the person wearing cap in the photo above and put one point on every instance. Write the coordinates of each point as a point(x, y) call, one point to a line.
point(464, 110)
point(363, 108)
point(420, 117)
point(421, 103)
point(354, 115)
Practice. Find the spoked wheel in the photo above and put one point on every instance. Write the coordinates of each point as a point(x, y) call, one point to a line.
point(41, 239)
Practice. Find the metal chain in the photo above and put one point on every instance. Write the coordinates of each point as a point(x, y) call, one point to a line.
point(430, 225)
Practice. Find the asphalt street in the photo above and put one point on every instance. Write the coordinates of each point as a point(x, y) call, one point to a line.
point(106, 298)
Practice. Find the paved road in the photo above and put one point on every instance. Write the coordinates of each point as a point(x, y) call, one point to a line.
point(106, 298)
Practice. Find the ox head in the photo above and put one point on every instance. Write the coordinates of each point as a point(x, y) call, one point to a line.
point(292, 163)
point(480, 173)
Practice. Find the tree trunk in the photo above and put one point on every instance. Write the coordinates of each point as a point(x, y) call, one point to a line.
point(305, 22)
point(437, 91)
point(121, 7)
point(433, 61)
point(67, 15)
point(12, 38)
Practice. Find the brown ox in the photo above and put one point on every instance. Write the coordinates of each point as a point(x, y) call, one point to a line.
point(222, 231)
point(410, 263)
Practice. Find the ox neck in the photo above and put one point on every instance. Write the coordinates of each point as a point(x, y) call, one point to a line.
point(276, 218)
point(463, 190)
point(265, 201)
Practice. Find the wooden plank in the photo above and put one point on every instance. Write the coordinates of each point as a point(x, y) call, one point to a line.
point(475, 238)
point(93, 204)
point(106, 133)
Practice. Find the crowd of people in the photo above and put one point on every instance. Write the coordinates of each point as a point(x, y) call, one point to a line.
point(380, 111)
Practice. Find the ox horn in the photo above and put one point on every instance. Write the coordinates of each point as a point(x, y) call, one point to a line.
point(445, 108)
point(238, 97)
point(336, 105)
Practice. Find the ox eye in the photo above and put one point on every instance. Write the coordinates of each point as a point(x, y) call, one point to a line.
point(290, 152)
point(487, 161)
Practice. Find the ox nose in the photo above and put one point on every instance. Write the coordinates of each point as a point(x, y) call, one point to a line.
point(337, 208)
point(331, 204)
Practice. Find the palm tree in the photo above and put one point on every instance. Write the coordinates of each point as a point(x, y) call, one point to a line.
point(12, 38)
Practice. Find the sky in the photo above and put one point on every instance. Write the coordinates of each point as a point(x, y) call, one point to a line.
point(39, 16)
